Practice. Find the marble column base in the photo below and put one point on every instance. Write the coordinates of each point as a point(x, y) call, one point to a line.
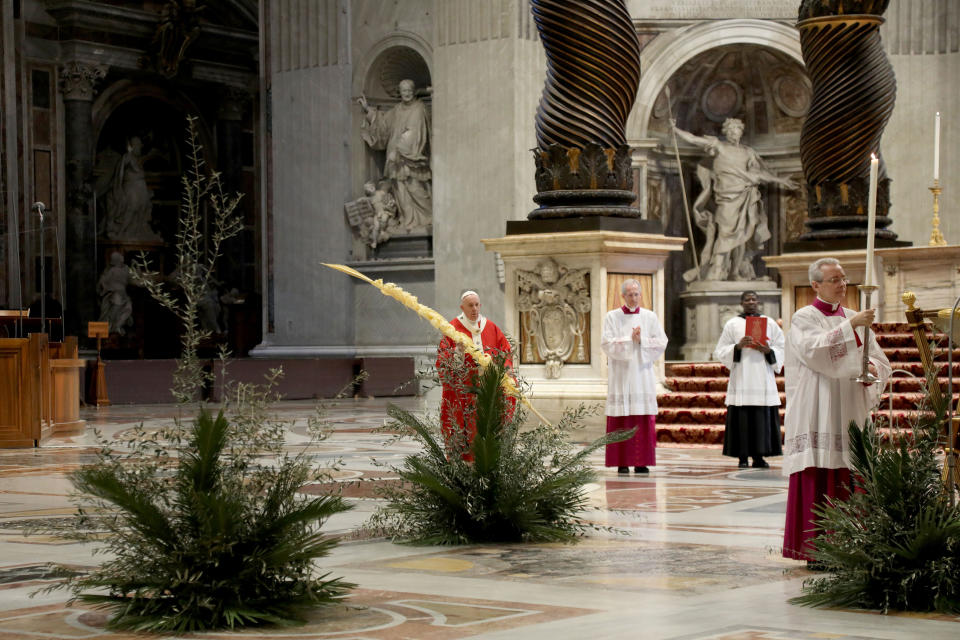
point(708, 304)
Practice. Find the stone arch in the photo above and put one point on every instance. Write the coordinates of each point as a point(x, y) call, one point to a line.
point(379, 53)
point(667, 53)
point(125, 90)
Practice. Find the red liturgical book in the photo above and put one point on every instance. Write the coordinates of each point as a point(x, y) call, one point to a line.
point(757, 328)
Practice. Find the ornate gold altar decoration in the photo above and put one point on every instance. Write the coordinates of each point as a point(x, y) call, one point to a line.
point(854, 90)
point(439, 323)
point(917, 319)
point(593, 72)
point(554, 305)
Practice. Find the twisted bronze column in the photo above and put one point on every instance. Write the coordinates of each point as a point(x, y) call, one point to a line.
point(854, 90)
point(593, 71)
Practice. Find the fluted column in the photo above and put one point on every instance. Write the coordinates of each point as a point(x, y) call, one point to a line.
point(77, 83)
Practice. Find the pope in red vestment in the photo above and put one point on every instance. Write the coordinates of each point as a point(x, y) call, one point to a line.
point(456, 410)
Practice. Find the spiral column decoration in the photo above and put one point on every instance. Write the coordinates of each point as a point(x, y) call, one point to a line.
point(593, 72)
point(854, 89)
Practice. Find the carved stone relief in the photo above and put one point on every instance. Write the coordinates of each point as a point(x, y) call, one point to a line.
point(727, 311)
point(654, 199)
point(554, 305)
point(78, 79)
point(691, 314)
point(794, 212)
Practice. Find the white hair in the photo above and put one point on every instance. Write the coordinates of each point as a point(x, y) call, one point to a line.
point(629, 282)
point(814, 272)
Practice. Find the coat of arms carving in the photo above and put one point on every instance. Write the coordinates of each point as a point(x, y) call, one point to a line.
point(554, 304)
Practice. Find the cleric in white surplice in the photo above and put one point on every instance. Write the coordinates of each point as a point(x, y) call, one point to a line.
point(753, 401)
point(824, 356)
point(633, 341)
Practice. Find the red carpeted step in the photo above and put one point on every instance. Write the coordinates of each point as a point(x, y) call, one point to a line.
point(892, 327)
point(689, 384)
point(693, 399)
point(696, 369)
point(695, 415)
point(692, 415)
point(681, 384)
point(906, 340)
point(690, 434)
point(905, 354)
point(905, 401)
point(916, 368)
point(700, 399)
point(899, 418)
point(902, 384)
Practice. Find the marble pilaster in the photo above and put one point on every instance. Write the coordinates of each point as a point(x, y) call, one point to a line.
point(483, 118)
point(306, 72)
point(603, 253)
point(78, 81)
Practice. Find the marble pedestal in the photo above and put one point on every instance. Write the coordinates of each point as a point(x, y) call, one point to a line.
point(608, 257)
point(707, 305)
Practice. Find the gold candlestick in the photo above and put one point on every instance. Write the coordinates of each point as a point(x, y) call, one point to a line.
point(936, 238)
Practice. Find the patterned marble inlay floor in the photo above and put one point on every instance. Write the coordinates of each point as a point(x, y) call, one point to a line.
point(690, 551)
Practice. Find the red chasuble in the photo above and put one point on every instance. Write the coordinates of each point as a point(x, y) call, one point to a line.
point(457, 413)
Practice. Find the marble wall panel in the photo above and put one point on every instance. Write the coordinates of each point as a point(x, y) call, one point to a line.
point(312, 305)
point(926, 83)
point(712, 9)
point(484, 104)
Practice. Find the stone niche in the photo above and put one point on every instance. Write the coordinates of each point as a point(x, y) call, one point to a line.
point(392, 215)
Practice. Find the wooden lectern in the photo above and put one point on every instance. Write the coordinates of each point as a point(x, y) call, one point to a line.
point(99, 330)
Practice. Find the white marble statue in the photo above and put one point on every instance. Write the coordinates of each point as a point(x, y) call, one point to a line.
point(730, 208)
point(130, 201)
point(404, 132)
point(116, 307)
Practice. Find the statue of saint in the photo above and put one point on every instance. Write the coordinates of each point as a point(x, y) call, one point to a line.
point(730, 208)
point(404, 132)
point(115, 305)
point(129, 200)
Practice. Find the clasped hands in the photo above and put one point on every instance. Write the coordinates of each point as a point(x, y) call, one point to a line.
point(747, 342)
point(636, 334)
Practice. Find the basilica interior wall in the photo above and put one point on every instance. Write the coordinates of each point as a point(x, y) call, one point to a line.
point(922, 38)
point(489, 76)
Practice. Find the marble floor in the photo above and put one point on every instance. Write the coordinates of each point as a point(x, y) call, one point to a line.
point(690, 551)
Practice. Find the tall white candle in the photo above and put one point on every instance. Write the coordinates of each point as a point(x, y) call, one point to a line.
point(871, 219)
point(936, 147)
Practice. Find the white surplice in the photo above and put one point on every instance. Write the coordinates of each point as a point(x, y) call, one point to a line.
point(822, 360)
point(753, 380)
point(631, 380)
